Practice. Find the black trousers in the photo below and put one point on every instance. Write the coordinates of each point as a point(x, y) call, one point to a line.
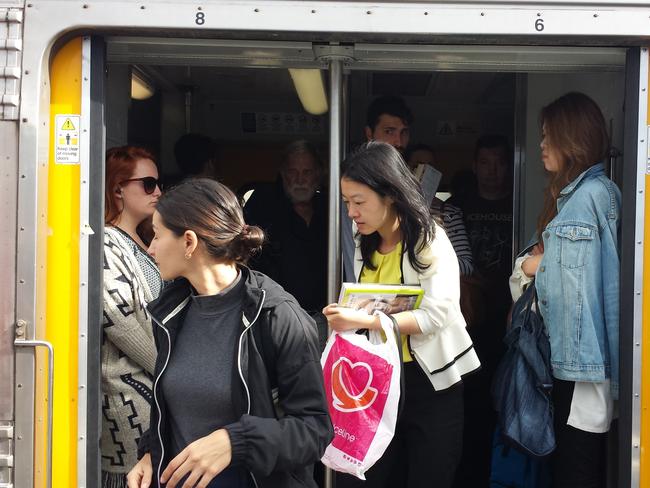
point(580, 458)
point(428, 440)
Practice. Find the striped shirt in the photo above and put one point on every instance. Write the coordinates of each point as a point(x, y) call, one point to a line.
point(451, 219)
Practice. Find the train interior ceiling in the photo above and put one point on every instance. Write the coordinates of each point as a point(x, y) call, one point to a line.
point(252, 112)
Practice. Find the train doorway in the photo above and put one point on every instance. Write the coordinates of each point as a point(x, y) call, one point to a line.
point(241, 94)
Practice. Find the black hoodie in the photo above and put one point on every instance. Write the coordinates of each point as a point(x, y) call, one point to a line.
point(278, 452)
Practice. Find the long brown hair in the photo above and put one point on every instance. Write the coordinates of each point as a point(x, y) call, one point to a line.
point(575, 129)
point(120, 164)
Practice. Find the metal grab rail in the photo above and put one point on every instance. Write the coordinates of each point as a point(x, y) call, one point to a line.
point(50, 397)
point(334, 244)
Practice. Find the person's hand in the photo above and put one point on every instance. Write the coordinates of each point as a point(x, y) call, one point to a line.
point(203, 459)
point(530, 265)
point(342, 318)
point(140, 475)
point(536, 250)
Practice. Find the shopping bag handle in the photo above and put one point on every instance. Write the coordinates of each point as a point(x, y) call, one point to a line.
point(402, 379)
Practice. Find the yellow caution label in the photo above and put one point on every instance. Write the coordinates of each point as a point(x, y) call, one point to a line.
point(67, 139)
point(68, 125)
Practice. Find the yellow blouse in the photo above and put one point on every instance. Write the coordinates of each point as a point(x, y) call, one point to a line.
point(388, 271)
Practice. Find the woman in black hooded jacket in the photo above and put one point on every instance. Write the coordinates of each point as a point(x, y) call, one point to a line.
point(228, 339)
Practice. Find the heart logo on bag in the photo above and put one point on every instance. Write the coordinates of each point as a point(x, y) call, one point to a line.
point(351, 388)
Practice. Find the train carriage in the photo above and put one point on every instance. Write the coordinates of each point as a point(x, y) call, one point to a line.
point(221, 66)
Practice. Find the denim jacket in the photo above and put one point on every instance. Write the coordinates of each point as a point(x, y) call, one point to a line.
point(578, 280)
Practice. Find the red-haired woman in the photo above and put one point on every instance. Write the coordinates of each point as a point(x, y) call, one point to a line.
point(131, 280)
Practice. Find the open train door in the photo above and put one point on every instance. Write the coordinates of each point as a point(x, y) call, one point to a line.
point(632, 177)
point(59, 286)
point(60, 250)
point(57, 226)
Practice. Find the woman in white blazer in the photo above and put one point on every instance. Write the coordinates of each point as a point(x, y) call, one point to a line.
point(397, 243)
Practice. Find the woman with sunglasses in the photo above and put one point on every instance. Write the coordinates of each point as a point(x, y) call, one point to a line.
point(131, 280)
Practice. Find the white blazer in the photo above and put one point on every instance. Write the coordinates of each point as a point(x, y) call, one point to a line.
point(444, 349)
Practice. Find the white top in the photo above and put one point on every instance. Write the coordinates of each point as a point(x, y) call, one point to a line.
point(444, 349)
point(592, 405)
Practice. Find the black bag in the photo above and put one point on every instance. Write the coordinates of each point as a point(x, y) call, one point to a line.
point(511, 468)
point(522, 383)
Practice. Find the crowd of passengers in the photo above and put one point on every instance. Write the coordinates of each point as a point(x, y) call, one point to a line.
point(211, 306)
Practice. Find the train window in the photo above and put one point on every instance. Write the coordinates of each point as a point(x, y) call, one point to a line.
point(450, 110)
point(250, 114)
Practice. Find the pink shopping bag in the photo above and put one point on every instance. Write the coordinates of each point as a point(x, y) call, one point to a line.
point(362, 383)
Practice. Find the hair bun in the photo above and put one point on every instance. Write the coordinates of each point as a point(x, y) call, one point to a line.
point(251, 240)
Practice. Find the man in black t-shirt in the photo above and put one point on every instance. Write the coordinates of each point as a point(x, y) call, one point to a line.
point(488, 210)
point(488, 219)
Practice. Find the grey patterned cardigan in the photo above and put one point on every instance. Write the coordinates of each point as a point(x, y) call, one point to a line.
point(128, 355)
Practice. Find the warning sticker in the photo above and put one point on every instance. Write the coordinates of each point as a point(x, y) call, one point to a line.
point(67, 139)
point(445, 128)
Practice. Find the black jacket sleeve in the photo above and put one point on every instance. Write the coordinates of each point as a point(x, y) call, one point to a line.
point(300, 436)
point(144, 444)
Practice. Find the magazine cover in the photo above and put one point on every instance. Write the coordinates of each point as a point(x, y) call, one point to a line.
point(389, 299)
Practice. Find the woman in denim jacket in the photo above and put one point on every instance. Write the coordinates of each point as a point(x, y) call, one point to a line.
point(576, 271)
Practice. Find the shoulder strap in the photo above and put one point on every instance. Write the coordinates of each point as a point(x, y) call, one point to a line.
point(264, 342)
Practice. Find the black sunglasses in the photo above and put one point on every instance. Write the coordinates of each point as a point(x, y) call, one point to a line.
point(148, 182)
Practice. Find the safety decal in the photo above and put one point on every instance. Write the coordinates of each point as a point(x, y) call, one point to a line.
point(67, 129)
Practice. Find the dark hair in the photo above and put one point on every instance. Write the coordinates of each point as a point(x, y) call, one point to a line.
point(380, 167)
point(193, 152)
point(418, 147)
point(212, 211)
point(493, 141)
point(575, 128)
point(120, 164)
point(390, 105)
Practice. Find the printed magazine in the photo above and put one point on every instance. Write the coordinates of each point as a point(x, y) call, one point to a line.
point(389, 299)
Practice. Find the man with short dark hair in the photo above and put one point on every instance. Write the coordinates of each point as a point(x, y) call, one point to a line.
point(487, 208)
point(388, 120)
point(488, 211)
point(294, 215)
point(196, 155)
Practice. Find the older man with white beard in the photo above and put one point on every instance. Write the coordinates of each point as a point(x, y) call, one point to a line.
point(293, 212)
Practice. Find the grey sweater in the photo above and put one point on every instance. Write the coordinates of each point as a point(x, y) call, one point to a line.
point(128, 354)
point(196, 384)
